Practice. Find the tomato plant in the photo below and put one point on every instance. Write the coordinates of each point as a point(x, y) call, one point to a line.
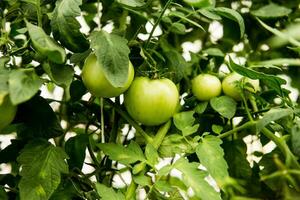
point(206, 86)
point(149, 99)
point(151, 102)
point(94, 79)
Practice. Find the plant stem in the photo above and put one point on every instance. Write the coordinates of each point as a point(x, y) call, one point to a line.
point(102, 121)
point(160, 135)
point(157, 22)
point(138, 129)
point(130, 191)
point(239, 128)
point(281, 144)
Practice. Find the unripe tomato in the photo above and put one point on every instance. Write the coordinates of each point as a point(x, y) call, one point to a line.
point(230, 85)
point(7, 112)
point(206, 86)
point(151, 102)
point(95, 81)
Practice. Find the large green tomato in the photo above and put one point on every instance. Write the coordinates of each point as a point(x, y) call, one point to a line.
point(206, 86)
point(7, 112)
point(96, 82)
point(151, 102)
point(230, 85)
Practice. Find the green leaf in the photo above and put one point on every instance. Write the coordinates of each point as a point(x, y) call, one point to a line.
point(34, 2)
point(281, 36)
point(151, 154)
point(178, 28)
point(23, 84)
point(232, 15)
point(184, 18)
point(175, 63)
point(125, 155)
point(271, 10)
point(61, 75)
point(272, 81)
point(42, 165)
point(277, 62)
point(214, 52)
point(295, 139)
point(45, 45)
point(236, 157)
point(75, 147)
point(272, 115)
point(201, 107)
point(211, 156)
point(217, 128)
point(36, 123)
point(224, 105)
point(132, 3)
point(112, 55)
point(108, 193)
point(3, 194)
point(184, 121)
point(194, 178)
point(65, 27)
point(174, 144)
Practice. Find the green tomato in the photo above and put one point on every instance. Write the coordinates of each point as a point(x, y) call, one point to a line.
point(7, 112)
point(206, 86)
point(95, 81)
point(151, 102)
point(230, 85)
point(201, 3)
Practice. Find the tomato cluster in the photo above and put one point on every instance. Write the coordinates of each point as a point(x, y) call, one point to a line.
point(154, 101)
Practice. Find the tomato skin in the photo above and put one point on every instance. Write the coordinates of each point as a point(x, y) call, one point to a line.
point(96, 82)
point(206, 86)
point(230, 88)
point(7, 112)
point(151, 102)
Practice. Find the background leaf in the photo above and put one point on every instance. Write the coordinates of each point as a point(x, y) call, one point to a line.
point(66, 28)
point(23, 84)
point(45, 45)
point(194, 178)
point(42, 165)
point(211, 156)
point(108, 193)
point(224, 105)
point(271, 10)
point(125, 155)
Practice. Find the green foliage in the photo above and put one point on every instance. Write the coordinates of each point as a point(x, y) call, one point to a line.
point(64, 143)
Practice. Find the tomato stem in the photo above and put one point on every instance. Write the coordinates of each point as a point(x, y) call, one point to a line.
point(160, 135)
point(239, 128)
point(102, 121)
point(124, 114)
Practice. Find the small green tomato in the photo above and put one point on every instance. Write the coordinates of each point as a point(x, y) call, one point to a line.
point(206, 86)
point(7, 112)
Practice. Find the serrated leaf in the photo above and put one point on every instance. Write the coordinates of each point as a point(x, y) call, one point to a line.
point(23, 84)
point(112, 55)
point(271, 10)
point(174, 144)
point(66, 28)
point(272, 115)
point(232, 15)
point(45, 45)
point(236, 157)
point(42, 165)
point(184, 121)
point(224, 105)
point(108, 193)
point(272, 81)
point(151, 154)
point(194, 178)
point(75, 147)
point(61, 75)
point(211, 156)
point(125, 155)
point(214, 52)
point(277, 62)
